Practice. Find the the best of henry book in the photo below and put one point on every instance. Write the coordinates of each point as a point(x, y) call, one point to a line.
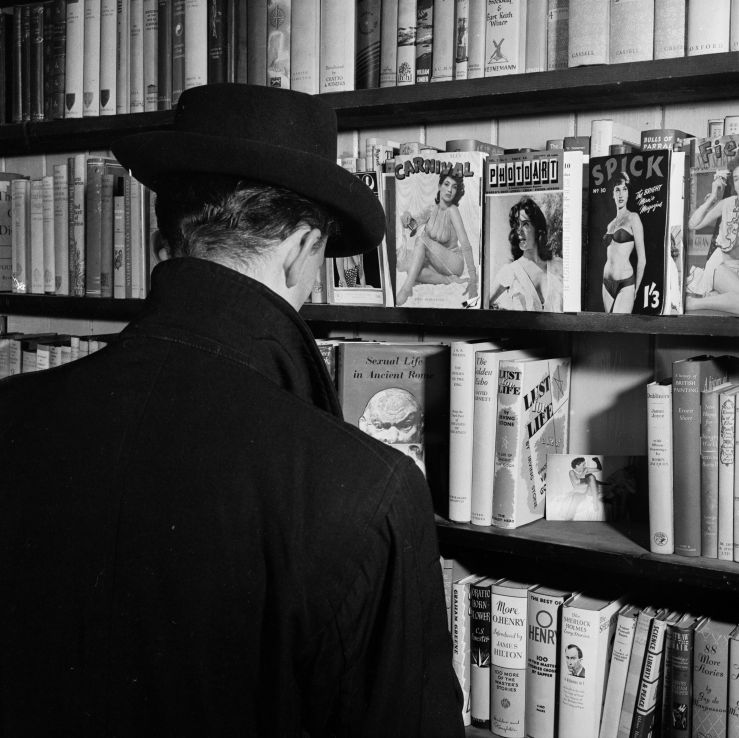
point(438, 227)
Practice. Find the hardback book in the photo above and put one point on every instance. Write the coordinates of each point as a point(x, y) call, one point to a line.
point(676, 718)
point(618, 669)
point(711, 677)
point(659, 466)
point(707, 27)
point(600, 487)
point(711, 224)
point(481, 641)
point(726, 472)
point(462, 638)
point(484, 429)
point(21, 64)
point(35, 242)
point(108, 95)
point(536, 35)
point(472, 144)
point(606, 133)
point(627, 262)
point(533, 415)
point(669, 28)
point(399, 394)
point(20, 344)
point(406, 51)
point(424, 39)
point(438, 227)
point(164, 54)
point(151, 52)
point(136, 56)
point(368, 44)
point(93, 224)
point(218, 41)
point(236, 41)
point(544, 615)
point(709, 442)
point(196, 43)
point(631, 35)
point(256, 46)
point(279, 32)
point(91, 59)
point(107, 189)
point(305, 46)
point(588, 626)
point(663, 138)
point(119, 246)
point(532, 239)
point(338, 46)
point(389, 43)
point(463, 356)
point(644, 621)
point(40, 37)
point(362, 279)
point(123, 51)
point(444, 36)
point(20, 213)
point(734, 29)
point(505, 38)
point(588, 32)
point(732, 711)
point(6, 230)
point(509, 615)
point(477, 25)
point(76, 179)
point(58, 58)
point(689, 377)
point(47, 215)
point(178, 47)
point(74, 59)
point(558, 32)
point(677, 230)
point(461, 38)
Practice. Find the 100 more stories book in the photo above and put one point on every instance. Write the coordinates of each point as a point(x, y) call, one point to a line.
point(438, 227)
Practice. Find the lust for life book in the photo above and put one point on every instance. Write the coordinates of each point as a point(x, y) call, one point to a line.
point(532, 240)
point(438, 227)
point(628, 235)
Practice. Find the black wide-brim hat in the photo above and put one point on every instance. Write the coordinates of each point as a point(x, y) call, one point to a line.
point(278, 137)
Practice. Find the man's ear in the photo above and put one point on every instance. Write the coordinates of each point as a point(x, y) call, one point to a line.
point(302, 245)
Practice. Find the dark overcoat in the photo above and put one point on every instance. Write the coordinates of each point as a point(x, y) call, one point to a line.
point(193, 542)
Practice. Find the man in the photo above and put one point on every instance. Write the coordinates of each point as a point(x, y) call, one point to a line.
point(187, 548)
point(573, 657)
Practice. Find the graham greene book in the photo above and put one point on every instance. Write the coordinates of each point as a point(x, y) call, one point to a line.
point(628, 236)
point(438, 227)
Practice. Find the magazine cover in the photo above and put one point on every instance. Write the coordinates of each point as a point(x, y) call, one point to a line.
point(532, 230)
point(628, 240)
point(713, 223)
point(438, 227)
point(361, 279)
point(588, 487)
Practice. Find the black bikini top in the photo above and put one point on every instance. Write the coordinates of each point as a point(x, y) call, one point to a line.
point(619, 236)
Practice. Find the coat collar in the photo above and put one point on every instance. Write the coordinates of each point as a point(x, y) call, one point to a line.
point(203, 302)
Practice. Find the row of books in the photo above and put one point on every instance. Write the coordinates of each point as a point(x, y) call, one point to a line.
point(691, 436)
point(83, 229)
point(537, 662)
point(76, 58)
point(21, 353)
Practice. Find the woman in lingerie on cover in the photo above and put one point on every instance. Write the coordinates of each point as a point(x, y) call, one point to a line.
point(624, 235)
point(442, 247)
point(533, 280)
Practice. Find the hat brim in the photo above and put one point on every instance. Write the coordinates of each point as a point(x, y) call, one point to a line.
point(360, 214)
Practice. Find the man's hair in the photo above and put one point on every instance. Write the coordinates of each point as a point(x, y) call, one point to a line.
point(230, 220)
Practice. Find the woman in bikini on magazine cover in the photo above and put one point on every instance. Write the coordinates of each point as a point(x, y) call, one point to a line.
point(442, 247)
point(533, 280)
point(624, 235)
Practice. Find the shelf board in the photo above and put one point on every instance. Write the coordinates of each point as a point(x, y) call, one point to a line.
point(94, 308)
point(610, 549)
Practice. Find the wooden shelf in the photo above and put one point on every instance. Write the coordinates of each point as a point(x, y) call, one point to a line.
point(606, 87)
point(603, 547)
point(93, 308)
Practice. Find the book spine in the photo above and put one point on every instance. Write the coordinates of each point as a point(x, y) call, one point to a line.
point(424, 39)
point(178, 49)
point(462, 38)
point(588, 32)
point(306, 46)
point(725, 480)
point(137, 257)
point(558, 31)
point(136, 56)
point(6, 238)
point(91, 60)
point(196, 43)
point(108, 56)
point(256, 47)
point(645, 712)
point(709, 474)
point(631, 31)
point(107, 183)
point(477, 25)
point(536, 36)
point(20, 196)
point(26, 55)
point(76, 176)
point(151, 53)
point(461, 645)
point(481, 643)
point(571, 231)
point(708, 30)
point(37, 44)
point(368, 44)
point(710, 679)
point(36, 241)
point(61, 229)
point(407, 18)
point(58, 56)
point(732, 718)
point(506, 24)
point(119, 258)
point(442, 69)
point(617, 673)
point(338, 45)
point(164, 54)
point(74, 59)
point(659, 465)
point(123, 57)
point(47, 202)
point(217, 42)
point(278, 43)
point(127, 238)
point(669, 28)
point(389, 43)
point(93, 206)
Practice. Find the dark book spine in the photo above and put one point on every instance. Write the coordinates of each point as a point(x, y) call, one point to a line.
point(164, 55)
point(58, 57)
point(217, 29)
point(26, 79)
point(48, 57)
point(36, 92)
point(6, 65)
point(16, 112)
point(106, 235)
point(178, 50)
point(368, 44)
point(236, 33)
